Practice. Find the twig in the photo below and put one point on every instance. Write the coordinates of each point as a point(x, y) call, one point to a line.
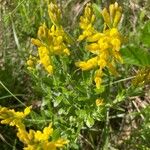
point(86, 141)
point(138, 110)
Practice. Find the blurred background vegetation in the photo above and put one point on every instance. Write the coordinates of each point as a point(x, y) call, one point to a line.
point(19, 22)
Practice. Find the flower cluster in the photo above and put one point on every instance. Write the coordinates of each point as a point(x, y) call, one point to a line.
point(31, 62)
point(51, 41)
point(40, 140)
point(9, 116)
point(33, 140)
point(142, 77)
point(86, 23)
point(55, 14)
point(104, 45)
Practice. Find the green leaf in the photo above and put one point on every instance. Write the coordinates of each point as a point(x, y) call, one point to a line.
point(145, 34)
point(58, 100)
point(82, 98)
point(100, 90)
point(89, 121)
point(135, 56)
point(99, 19)
point(81, 113)
point(56, 134)
point(97, 10)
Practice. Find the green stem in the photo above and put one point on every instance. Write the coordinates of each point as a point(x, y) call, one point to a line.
point(106, 132)
point(11, 94)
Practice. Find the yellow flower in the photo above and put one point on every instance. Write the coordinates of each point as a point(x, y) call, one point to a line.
point(45, 59)
point(49, 146)
point(106, 16)
point(91, 63)
point(42, 33)
point(98, 81)
point(98, 77)
point(31, 62)
point(40, 140)
point(47, 132)
point(9, 116)
point(105, 45)
point(54, 13)
point(51, 41)
point(112, 16)
point(36, 42)
point(86, 22)
point(60, 142)
point(99, 102)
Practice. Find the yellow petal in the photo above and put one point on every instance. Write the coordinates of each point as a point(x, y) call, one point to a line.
point(27, 110)
point(106, 17)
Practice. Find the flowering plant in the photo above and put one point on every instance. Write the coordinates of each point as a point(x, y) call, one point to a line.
point(79, 79)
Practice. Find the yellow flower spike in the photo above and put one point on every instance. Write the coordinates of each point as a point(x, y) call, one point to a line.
point(106, 17)
point(54, 14)
point(112, 11)
point(42, 32)
point(113, 17)
point(87, 10)
point(23, 136)
point(98, 78)
point(105, 45)
point(51, 41)
point(9, 116)
point(86, 22)
point(34, 140)
point(117, 18)
point(91, 63)
point(99, 102)
point(116, 5)
point(31, 62)
point(98, 82)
